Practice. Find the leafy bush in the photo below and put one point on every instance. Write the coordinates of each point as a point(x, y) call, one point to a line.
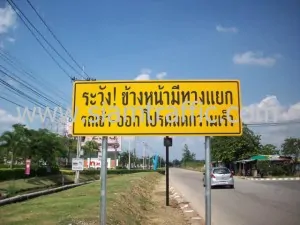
point(19, 173)
point(277, 170)
point(7, 166)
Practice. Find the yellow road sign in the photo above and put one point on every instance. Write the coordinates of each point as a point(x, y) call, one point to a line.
point(189, 107)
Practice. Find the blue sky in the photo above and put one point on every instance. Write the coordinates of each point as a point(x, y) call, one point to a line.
point(186, 39)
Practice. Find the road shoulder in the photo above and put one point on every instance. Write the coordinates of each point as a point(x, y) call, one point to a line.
point(162, 214)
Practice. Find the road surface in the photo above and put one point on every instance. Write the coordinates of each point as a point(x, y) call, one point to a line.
point(250, 203)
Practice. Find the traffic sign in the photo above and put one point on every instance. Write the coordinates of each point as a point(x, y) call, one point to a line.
point(138, 108)
point(77, 164)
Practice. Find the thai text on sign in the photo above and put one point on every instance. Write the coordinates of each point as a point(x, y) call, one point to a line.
point(156, 108)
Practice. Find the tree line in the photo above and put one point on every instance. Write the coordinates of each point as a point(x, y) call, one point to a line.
point(44, 147)
point(41, 146)
point(230, 149)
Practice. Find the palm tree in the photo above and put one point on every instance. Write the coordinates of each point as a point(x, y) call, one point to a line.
point(14, 142)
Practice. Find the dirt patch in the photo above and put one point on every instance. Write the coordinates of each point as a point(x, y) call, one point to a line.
point(144, 204)
point(161, 214)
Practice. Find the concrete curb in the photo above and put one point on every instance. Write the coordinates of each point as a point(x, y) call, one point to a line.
point(275, 179)
point(190, 214)
point(25, 197)
point(271, 179)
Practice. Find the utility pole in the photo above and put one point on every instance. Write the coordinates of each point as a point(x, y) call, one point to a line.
point(134, 152)
point(207, 181)
point(144, 153)
point(129, 163)
point(77, 173)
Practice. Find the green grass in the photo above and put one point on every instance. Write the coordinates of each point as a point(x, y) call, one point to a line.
point(73, 205)
point(13, 187)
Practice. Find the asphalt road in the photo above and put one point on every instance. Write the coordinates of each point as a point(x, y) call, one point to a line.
point(250, 203)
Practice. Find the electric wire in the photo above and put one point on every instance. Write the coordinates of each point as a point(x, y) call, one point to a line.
point(46, 50)
point(55, 37)
point(51, 46)
point(13, 62)
point(17, 104)
point(29, 98)
point(26, 85)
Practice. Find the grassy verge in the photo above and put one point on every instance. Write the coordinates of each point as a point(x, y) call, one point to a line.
point(13, 187)
point(128, 198)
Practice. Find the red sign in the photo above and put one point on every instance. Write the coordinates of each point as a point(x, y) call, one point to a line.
point(27, 168)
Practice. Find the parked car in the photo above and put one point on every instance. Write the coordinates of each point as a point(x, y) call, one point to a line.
point(220, 176)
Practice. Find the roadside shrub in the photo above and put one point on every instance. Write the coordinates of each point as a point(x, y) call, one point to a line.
point(263, 167)
point(7, 166)
point(277, 170)
point(19, 173)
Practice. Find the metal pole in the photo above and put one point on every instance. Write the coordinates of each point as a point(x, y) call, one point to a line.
point(207, 182)
point(76, 181)
point(129, 163)
point(144, 150)
point(167, 176)
point(159, 161)
point(103, 182)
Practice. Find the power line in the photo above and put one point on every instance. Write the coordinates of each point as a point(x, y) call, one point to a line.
point(43, 37)
point(21, 106)
point(55, 37)
point(292, 122)
point(13, 62)
point(26, 85)
point(16, 9)
point(20, 93)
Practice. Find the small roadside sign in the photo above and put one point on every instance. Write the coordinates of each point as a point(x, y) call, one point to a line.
point(77, 164)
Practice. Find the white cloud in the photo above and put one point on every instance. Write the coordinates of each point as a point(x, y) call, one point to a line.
point(8, 19)
point(255, 58)
point(220, 28)
point(145, 75)
point(10, 39)
point(270, 110)
point(161, 75)
point(7, 120)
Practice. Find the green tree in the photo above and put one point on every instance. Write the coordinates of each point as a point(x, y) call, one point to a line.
point(14, 142)
point(91, 147)
point(124, 158)
point(42, 146)
point(187, 155)
point(229, 149)
point(269, 149)
point(71, 147)
point(291, 147)
point(46, 147)
point(176, 162)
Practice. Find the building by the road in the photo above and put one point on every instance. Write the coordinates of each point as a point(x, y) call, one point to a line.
point(248, 167)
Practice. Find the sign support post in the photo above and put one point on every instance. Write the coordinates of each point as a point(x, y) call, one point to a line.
point(207, 182)
point(167, 144)
point(77, 156)
point(167, 176)
point(103, 181)
point(129, 152)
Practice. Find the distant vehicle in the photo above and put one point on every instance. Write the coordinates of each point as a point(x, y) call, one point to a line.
point(220, 176)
